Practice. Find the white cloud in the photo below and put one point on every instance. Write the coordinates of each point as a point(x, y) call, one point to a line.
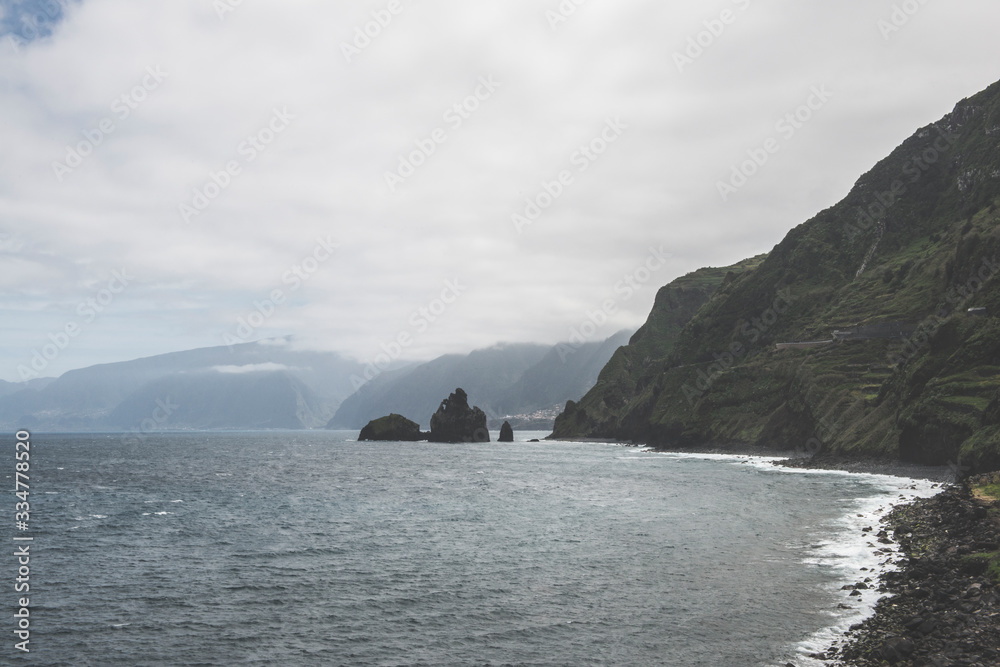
point(269, 367)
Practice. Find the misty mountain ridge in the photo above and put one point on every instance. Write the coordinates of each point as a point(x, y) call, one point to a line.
point(211, 385)
point(270, 385)
point(507, 380)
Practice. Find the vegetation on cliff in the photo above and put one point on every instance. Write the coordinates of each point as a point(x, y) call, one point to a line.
point(915, 242)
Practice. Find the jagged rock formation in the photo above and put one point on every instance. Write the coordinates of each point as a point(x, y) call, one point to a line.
point(506, 433)
point(394, 428)
point(923, 226)
point(455, 421)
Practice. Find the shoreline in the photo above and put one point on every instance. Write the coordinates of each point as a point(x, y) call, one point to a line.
point(937, 589)
point(935, 603)
point(939, 474)
point(872, 557)
point(941, 606)
point(793, 459)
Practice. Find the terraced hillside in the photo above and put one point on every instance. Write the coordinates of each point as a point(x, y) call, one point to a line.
point(916, 241)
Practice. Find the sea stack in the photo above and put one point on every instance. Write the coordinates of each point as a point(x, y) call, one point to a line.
point(455, 421)
point(506, 433)
point(394, 428)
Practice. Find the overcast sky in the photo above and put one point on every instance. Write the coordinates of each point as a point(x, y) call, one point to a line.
point(178, 161)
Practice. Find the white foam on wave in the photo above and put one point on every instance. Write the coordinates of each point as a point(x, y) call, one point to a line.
point(853, 556)
point(761, 462)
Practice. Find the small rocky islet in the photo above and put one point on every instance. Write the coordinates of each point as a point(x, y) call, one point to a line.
point(455, 421)
point(506, 433)
point(391, 428)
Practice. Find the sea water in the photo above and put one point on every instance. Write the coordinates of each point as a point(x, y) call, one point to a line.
point(308, 548)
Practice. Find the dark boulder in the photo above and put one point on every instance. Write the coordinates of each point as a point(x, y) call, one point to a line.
point(897, 649)
point(455, 421)
point(392, 428)
point(506, 433)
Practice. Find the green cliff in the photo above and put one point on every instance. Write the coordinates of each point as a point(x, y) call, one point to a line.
point(894, 268)
point(597, 413)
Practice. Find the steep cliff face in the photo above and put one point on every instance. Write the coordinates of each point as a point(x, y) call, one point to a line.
point(596, 415)
point(917, 242)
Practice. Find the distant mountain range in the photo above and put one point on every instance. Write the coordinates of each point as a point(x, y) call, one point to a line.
point(270, 385)
point(7, 388)
point(253, 385)
point(526, 384)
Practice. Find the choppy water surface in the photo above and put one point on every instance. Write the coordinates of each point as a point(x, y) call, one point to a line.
point(311, 549)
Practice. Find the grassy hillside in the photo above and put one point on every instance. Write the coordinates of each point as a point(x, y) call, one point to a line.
point(917, 241)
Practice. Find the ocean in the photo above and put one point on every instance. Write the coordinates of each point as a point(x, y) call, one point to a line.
point(308, 548)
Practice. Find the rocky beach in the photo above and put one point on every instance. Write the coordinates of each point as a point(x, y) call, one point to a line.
point(942, 604)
